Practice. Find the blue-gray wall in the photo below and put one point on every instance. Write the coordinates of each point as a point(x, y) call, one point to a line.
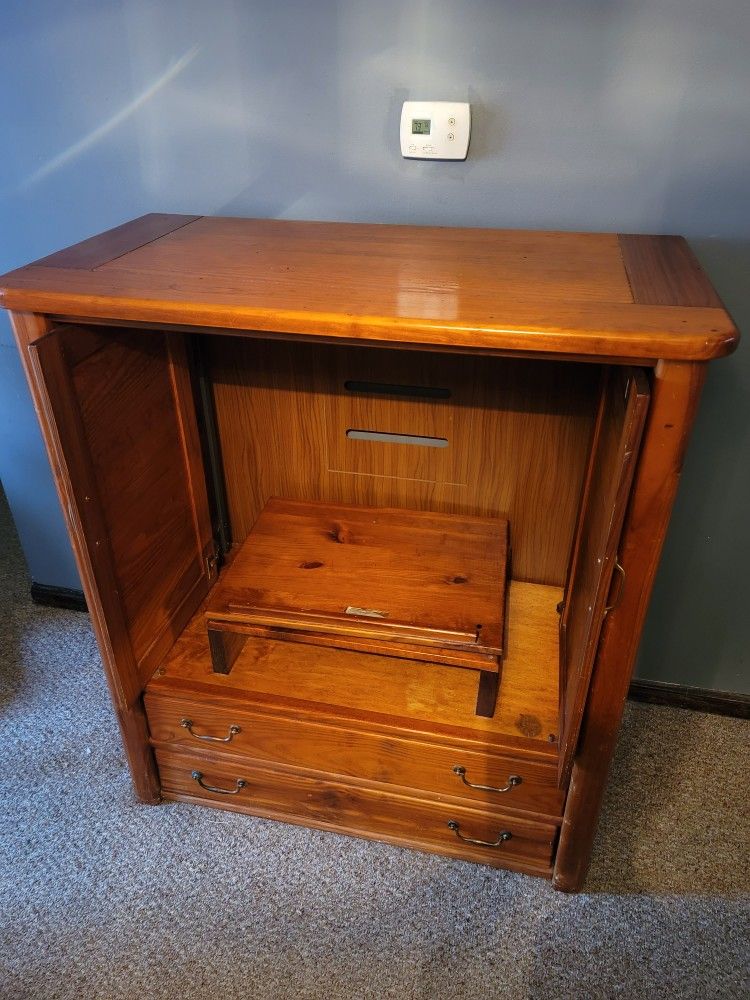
point(624, 115)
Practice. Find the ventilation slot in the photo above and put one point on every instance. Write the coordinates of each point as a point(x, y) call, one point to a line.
point(385, 438)
point(389, 389)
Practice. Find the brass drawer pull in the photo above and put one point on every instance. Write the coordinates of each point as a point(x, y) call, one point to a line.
point(513, 780)
point(198, 776)
point(501, 837)
point(233, 730)
point(620, 589)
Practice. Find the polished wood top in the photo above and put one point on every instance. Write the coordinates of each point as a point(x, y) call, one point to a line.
point(578, 294)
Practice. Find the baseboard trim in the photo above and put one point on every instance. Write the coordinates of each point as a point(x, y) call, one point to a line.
point(698, 699)
point(58, 597)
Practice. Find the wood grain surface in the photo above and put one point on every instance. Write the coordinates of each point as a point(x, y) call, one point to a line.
point(375, 572)
point(125, 407)
point(346, 640)
point(663, 271)
point(50, 391)
point(622, 416)
point(391, 695)
point(334, 746)
point(675, 393)
point(518, 435)
point(105, 247)
point(562, 293)
point(359, 808)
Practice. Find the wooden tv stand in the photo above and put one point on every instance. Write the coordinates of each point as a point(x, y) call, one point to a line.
point(186, 369)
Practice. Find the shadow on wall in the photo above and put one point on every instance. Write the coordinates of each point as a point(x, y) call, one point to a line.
point(696, 632)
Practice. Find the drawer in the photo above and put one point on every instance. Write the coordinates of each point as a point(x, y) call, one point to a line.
point(510, 782)
point(358, 809)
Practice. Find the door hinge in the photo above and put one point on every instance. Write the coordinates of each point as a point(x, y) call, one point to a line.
point(212, 564)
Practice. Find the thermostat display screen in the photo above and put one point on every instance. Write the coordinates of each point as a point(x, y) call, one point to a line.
point(420, 126)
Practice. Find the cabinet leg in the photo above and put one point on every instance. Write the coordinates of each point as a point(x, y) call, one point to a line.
point(489, 681)
point(225, 647)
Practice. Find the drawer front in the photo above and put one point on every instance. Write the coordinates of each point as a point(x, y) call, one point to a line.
point(322, 801)
point(509, 783)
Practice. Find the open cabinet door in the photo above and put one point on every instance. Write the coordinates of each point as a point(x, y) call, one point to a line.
point(617, 435)
point(122, 403)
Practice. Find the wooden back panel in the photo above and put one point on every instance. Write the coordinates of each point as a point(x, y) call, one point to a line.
point(124, 399)
point(517, 436)
point(620, 422)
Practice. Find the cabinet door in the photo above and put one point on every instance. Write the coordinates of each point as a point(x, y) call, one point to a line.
point(617, 435)
point(123, 410)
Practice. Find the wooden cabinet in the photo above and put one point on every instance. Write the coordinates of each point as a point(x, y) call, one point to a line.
point(187, 369)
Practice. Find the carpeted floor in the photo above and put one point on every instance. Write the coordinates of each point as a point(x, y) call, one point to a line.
point(103, 898)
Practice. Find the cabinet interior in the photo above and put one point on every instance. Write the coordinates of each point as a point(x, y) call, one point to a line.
point(455, 434)
point(458, 434)
point(185, 436)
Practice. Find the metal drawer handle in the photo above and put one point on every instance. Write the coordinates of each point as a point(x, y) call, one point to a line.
point(233, 730)
point(198, 776)
point(620, 590)
point(513, 780)
point(501, 837)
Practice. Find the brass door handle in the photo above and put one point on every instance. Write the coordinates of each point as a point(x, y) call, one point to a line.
point(513, 780)
point(233, 730)
point(501, 837)
point(198, 776)
point(620, 589)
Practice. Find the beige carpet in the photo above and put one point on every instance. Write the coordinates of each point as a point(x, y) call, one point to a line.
point(105, 899)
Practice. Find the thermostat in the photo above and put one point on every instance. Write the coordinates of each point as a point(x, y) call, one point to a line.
point(435, 130)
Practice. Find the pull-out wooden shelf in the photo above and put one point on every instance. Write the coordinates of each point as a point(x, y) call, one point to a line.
point(390, 693)
point(395, 582)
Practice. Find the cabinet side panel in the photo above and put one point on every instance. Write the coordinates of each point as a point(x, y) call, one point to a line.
point(132, 392)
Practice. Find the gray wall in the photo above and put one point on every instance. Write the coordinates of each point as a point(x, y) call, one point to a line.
point(624, 115)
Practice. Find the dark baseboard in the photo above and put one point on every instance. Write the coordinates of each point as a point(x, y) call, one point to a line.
point(58, 597)
point(699, 699)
